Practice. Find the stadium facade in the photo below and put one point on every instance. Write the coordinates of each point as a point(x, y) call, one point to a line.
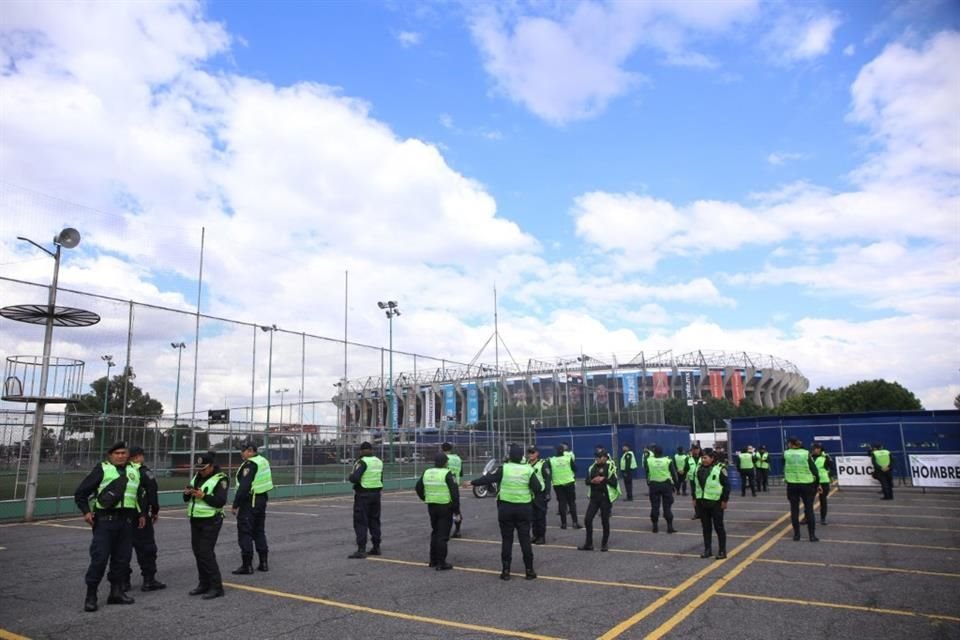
point(595, 387)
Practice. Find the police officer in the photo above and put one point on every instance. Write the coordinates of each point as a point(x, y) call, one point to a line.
point(661, 478)
point(114, 486)
point(746, 466)
point(883, 469)
point(680, 463)
point(711, 491)
point(254, 483)
point(367, 479)
point(517, 484)
point(604, 491)
point(628, 466)
point(438, 487)
point(693, 464)
point(144, 541)
point(455, 464)
point(763, 468)
point(801, 476)
point(564, 468)
point(206, 495)
point(825, 472)
point(541, 499)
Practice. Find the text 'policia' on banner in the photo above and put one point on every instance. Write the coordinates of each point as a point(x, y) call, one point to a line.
point(926, 471)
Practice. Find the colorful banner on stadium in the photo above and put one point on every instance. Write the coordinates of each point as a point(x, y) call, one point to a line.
point(928, 470)
point(597, 386)
point(473, 404)
point(736, 388)
point(429, 408)
point(855, 471)
point(396, 413)
point(716, 384)
point(449, 404)
point(546, 391)
point(661, 385)
point(410, 402)
point(630, 395)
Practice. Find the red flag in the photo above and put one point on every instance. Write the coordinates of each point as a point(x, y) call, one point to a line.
point(716, 384)
point(736, 387)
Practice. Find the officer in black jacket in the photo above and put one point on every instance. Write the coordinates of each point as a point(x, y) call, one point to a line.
point(117, 508)
point(711, 491)
point(602, 482)
point(367, 479)
point(144, 540)
point(541, 500)
point(661, 473)
point(439, 489)
point(206, 496)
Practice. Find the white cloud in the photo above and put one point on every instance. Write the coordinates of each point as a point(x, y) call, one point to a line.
point(779, 158)
point(569, 65)
point(849, 50)
point(409, 39)
point(798, 36)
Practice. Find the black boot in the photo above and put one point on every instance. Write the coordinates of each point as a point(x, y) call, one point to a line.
point(90, 603)
point(708, 552)
point(198, 590)
point(126, 586)
point(117, 596)
point(263, 566)
point(215, 592)
point(530, 573)
point(375, 551)
point(670, 528)
point(359, 554)
point(150, 583)
point(246, 568)
point(505, 572)
point(656, 524)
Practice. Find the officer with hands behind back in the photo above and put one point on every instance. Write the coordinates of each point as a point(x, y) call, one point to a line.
point(254, 483)
point(439, 489)
point(367, 479)
point(118, 507)
point(711, 491)
point(144, 540)
point(205, 497)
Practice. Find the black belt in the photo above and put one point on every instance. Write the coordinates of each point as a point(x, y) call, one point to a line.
point(114, 515)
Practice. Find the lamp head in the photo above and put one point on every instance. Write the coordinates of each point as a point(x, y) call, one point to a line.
point(68, 238)
point(382, 305)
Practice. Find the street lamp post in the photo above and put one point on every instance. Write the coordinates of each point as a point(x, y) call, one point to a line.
point(106, 396)
point(266, 430)
point(391, 310)
point(68, 238)
point(281, 392)
point(179, 346)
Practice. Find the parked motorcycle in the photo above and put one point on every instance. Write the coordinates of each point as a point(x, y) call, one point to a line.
point(483, 491)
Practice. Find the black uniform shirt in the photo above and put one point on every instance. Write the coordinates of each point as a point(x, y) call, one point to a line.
point(358, 470)
point(247, 472)
point(89, 485)
point(149, 489)
point(703, 472)
point(451, 484)
point(218, 498)
point(599, 491)
point(547, 472)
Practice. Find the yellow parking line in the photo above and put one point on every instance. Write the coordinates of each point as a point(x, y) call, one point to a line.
point(573, 547)
point(686, 584)
point(601, 583)
point(833, 605)
point(391, 614)
point(10, 635)
point(891, 544)
point(859, 567)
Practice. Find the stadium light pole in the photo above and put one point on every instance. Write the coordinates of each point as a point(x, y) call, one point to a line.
point(179, 346)
point(391, 310)
point(281, 392)
point(68, 238)
point(106, 396)
point(266, 430)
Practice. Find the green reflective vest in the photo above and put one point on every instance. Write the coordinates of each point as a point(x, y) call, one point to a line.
point(821, 462)
point(372, 477)
point(263, 481)
point(712, 490)
point(694, 465)
point(111, 473)
point(680, 459)
point(613, 491)
point(882, 456)
point(538, 471)
point(435, 489)
point(746, 460)
point(795, 467)
point(198, 508)
point(658, 469)
point(515, 484)
point(455, 464)
point(562, 473)
point(763, 460)
point(632, 461)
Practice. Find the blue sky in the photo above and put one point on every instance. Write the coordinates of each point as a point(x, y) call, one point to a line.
point(742, 175)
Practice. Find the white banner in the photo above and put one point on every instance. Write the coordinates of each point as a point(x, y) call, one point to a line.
point(935, 470)
point(429, 408)
point(855, 471)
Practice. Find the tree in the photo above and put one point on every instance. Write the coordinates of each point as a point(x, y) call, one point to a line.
point(866, 395)
point(956, 401)
point(87, 413)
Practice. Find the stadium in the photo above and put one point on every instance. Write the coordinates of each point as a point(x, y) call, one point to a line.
point(582, 389)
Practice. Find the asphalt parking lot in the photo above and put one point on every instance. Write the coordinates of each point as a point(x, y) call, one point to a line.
point(890, 568)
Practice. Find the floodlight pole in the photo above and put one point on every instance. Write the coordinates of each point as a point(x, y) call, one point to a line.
point(179, 346)
point(391, 310)
point(266, 432)
point(106, 395)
